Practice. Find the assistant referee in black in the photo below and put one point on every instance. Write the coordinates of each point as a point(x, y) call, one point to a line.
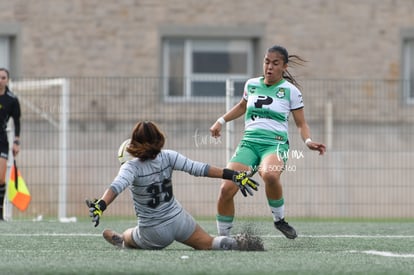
point(9, 107)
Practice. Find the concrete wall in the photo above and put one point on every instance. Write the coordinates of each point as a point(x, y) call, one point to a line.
point(341, 39)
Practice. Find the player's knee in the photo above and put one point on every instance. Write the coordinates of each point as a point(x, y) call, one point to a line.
point(227, 190)
point(271, 177)
point(128, 240)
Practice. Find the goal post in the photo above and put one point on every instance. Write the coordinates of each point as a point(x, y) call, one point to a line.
point(61, 124)
point(230, 124)
point(8, 209)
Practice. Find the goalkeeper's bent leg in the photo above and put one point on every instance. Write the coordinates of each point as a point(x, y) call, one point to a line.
point(224, 224)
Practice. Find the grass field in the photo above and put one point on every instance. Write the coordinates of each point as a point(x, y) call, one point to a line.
point(323, 247)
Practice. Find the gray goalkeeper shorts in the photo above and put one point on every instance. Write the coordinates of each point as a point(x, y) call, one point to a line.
point(180, 228)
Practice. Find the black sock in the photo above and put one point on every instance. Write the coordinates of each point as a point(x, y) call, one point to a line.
point(2, 192)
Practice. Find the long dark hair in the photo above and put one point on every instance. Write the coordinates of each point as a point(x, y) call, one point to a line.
point(293, 59)
point(146, 141)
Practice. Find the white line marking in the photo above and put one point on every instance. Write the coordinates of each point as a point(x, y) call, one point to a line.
point(384, 253)
point(346, 236)
point(263, 236)
point(50, 234)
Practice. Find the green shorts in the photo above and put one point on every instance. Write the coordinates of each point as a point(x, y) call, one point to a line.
point(251, 153)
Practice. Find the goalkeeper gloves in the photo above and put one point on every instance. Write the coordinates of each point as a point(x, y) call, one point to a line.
point(96, 209)
point(242, 180)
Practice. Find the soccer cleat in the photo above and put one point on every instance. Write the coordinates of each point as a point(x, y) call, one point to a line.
point(113, 238)
point(249, 242)
point(286, 229)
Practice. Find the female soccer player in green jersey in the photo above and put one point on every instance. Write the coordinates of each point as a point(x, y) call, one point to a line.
point(266, 104)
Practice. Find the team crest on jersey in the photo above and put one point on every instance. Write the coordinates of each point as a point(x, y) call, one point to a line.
point(279, 138)
point(252, 90)
point(281, 93)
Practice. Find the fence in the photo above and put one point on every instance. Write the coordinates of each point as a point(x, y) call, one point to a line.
point(71, 132)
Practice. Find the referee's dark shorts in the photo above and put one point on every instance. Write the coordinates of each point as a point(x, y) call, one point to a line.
point(4, 149)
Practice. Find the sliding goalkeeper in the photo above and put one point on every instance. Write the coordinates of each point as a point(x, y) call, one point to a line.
point(161, 218)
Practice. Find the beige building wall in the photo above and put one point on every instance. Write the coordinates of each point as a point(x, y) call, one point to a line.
point(340, 39)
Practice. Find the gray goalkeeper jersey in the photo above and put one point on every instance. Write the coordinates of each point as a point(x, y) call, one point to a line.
point(151, 186)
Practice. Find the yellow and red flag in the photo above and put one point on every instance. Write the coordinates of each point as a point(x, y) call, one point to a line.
point(17, 191)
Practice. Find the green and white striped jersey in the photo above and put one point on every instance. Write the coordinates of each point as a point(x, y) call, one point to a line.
point(268, 109)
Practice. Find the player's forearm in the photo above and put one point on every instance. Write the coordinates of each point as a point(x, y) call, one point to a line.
point(215, 172)
point(109, 196)
point(235, 112)
point(304, 131)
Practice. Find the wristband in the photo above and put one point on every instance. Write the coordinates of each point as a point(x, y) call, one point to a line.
point(17, 142)
point(102, 205)
point(221, 120)
point(308, 140)
point(228, 174)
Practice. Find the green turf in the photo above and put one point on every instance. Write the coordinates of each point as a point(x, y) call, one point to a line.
point(323, 247)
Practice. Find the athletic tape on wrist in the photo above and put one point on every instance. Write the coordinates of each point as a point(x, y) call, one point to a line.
point(221, 120)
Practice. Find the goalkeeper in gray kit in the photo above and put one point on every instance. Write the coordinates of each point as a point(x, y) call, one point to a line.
point(161, 218)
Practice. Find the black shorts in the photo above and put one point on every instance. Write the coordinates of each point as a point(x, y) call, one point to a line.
point(4, 149)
